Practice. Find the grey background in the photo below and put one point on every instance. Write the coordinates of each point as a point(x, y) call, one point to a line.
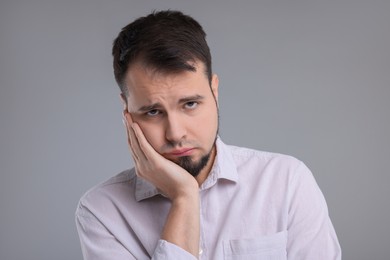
point(306, 78)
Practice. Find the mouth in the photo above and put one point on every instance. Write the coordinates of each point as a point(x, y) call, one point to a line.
point(180, 152)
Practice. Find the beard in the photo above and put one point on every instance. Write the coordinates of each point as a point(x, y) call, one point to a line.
point(194, 168)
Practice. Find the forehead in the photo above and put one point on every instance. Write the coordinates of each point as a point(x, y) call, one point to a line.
point(142, 82)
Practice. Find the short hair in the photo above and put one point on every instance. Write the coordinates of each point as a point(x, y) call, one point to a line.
point(166, 41)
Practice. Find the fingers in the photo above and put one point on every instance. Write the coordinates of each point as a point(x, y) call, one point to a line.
point(131, 138)
point(144, 145)
point(127, 117)
point(137, 137)
point(146, 159)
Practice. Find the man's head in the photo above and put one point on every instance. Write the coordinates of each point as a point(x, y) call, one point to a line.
point(166, 41)
point(163, 66)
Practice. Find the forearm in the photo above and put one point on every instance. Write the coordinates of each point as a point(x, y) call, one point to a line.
point(182, 224)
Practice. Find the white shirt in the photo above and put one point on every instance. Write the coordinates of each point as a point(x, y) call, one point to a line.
point(253, 205)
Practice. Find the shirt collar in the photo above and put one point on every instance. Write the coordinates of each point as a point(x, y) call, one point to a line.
point(224, 168)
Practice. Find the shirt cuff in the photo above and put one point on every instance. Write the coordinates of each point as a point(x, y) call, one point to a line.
point(168, 251)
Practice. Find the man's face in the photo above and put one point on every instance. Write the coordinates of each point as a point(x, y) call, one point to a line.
point(177, 113)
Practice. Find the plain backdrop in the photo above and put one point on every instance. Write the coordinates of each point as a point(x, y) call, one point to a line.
point(305, 78)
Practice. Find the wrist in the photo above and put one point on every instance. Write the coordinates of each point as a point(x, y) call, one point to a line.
point(187, 197)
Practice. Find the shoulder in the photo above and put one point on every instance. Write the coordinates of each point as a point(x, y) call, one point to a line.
point(112, 190)
point(244, 156)
point(284, 173)
point(267, 167)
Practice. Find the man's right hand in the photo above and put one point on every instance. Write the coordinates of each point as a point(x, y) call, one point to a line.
point(182, 226)
point(171, 179)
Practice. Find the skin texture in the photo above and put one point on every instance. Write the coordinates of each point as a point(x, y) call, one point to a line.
point(168, 116)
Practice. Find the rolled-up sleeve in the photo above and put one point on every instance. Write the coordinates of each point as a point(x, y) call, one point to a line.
point(166, 251)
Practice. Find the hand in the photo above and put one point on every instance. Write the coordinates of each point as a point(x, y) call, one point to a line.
point(182, 226)
point(171, 179)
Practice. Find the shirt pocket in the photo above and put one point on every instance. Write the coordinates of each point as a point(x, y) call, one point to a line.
point(271, 247)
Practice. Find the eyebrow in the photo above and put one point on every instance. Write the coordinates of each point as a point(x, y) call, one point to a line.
point(191, 98)
point(158, 105)
point(149, 107)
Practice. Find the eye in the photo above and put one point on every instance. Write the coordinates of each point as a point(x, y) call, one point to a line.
point(191, 104)
point(153, 112)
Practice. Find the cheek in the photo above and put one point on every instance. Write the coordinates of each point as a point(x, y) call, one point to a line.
point(153, 134)
point(207, 124)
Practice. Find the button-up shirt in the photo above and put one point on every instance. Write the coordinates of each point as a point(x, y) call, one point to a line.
point(253, 205)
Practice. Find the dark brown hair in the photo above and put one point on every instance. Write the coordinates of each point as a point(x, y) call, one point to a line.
point(166, 41)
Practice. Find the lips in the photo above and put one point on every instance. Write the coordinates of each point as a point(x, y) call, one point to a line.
point(180, 152)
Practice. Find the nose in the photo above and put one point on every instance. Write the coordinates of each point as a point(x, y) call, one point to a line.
point(175, 130)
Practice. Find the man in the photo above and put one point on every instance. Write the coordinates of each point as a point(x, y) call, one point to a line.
point(190, 195)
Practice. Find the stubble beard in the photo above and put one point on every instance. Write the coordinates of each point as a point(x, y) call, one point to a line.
point(194, 168)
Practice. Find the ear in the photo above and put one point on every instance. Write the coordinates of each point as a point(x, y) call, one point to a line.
point(214, 86)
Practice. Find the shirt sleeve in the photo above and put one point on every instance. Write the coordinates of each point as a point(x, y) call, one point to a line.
point(166, 250)
point(310, 231)
point(97, 243)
